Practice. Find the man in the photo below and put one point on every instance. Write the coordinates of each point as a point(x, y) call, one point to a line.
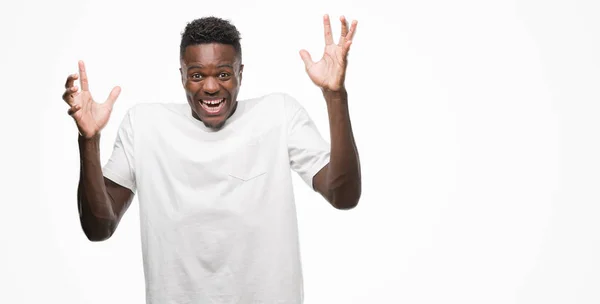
point(217, 213)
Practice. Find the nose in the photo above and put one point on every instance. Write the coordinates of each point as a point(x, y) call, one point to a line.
point(211, 86)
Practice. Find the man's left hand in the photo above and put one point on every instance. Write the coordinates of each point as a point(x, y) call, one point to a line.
point(329, 72)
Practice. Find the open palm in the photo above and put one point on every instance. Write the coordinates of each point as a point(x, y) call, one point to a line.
point(329, 72)
point(91, 117)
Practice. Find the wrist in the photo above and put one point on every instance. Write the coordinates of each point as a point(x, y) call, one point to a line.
point(83, 139)
point(339, 96)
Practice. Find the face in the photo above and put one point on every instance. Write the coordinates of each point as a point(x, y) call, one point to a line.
point(211, 75)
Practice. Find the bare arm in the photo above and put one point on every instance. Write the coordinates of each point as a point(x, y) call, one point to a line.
point(101, 201)
point(340, 180)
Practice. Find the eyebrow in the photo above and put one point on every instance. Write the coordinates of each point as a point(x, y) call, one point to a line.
point(224, 65)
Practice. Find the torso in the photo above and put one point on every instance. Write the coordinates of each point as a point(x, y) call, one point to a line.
point(217, 211)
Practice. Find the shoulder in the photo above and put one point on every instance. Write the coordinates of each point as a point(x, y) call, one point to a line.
point(268, 111)
point(277, 103)
point(154, 111)
point(143, 115)
point(154, 107)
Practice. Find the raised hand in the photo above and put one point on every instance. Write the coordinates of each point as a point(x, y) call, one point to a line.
point(329, 72)
point(90, 116)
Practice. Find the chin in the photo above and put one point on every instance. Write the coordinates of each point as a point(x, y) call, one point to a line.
point(215, 126)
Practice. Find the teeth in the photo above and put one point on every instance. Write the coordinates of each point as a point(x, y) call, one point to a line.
point(212, 102)
point(212, 109)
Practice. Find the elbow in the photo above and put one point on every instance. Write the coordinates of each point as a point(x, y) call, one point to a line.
point(95, 228)
point(346, 199)
point(98, 231)
point(97, 237)
point(345, 205)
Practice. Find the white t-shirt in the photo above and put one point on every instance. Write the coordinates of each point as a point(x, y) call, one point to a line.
point(217, 212)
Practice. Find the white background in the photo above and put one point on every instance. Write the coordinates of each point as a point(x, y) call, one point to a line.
point(476, 123)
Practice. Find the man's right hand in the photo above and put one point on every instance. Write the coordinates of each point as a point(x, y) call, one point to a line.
point(90, 116)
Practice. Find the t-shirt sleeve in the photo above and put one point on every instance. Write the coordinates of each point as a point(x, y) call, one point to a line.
point(120, 166)
point(308, 151)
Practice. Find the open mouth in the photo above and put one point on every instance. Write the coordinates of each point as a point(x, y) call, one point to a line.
point(212, 106)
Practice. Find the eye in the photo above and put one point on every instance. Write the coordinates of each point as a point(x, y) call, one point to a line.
point(224, 75)
point(196, 76)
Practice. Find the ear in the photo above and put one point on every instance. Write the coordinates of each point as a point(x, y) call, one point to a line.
point(241, 70)
point(182, 78)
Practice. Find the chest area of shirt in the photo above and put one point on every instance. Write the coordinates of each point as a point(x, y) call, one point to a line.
point(201, 163)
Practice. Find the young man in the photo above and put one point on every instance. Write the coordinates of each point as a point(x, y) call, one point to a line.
point(213, 176)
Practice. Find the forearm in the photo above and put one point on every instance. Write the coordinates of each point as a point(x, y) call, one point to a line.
point(343, 176)
point(98, 219)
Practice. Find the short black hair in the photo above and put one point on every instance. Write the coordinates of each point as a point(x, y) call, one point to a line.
point(210, 30)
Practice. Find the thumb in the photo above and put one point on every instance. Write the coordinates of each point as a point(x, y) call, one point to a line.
point(307, 59)
point(112, 97)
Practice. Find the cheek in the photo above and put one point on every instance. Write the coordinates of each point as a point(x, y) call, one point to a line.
point(233, 86)
point(191, 87)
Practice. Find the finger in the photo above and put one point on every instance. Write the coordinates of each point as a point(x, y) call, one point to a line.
point(69, 95)
point(327, 27)
point(346, 48)
point(73, 109)
point(83, 75)
point(70, 80)
point(114, 94)
point(344, 30)
point(352, 31)
point(305, 55)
